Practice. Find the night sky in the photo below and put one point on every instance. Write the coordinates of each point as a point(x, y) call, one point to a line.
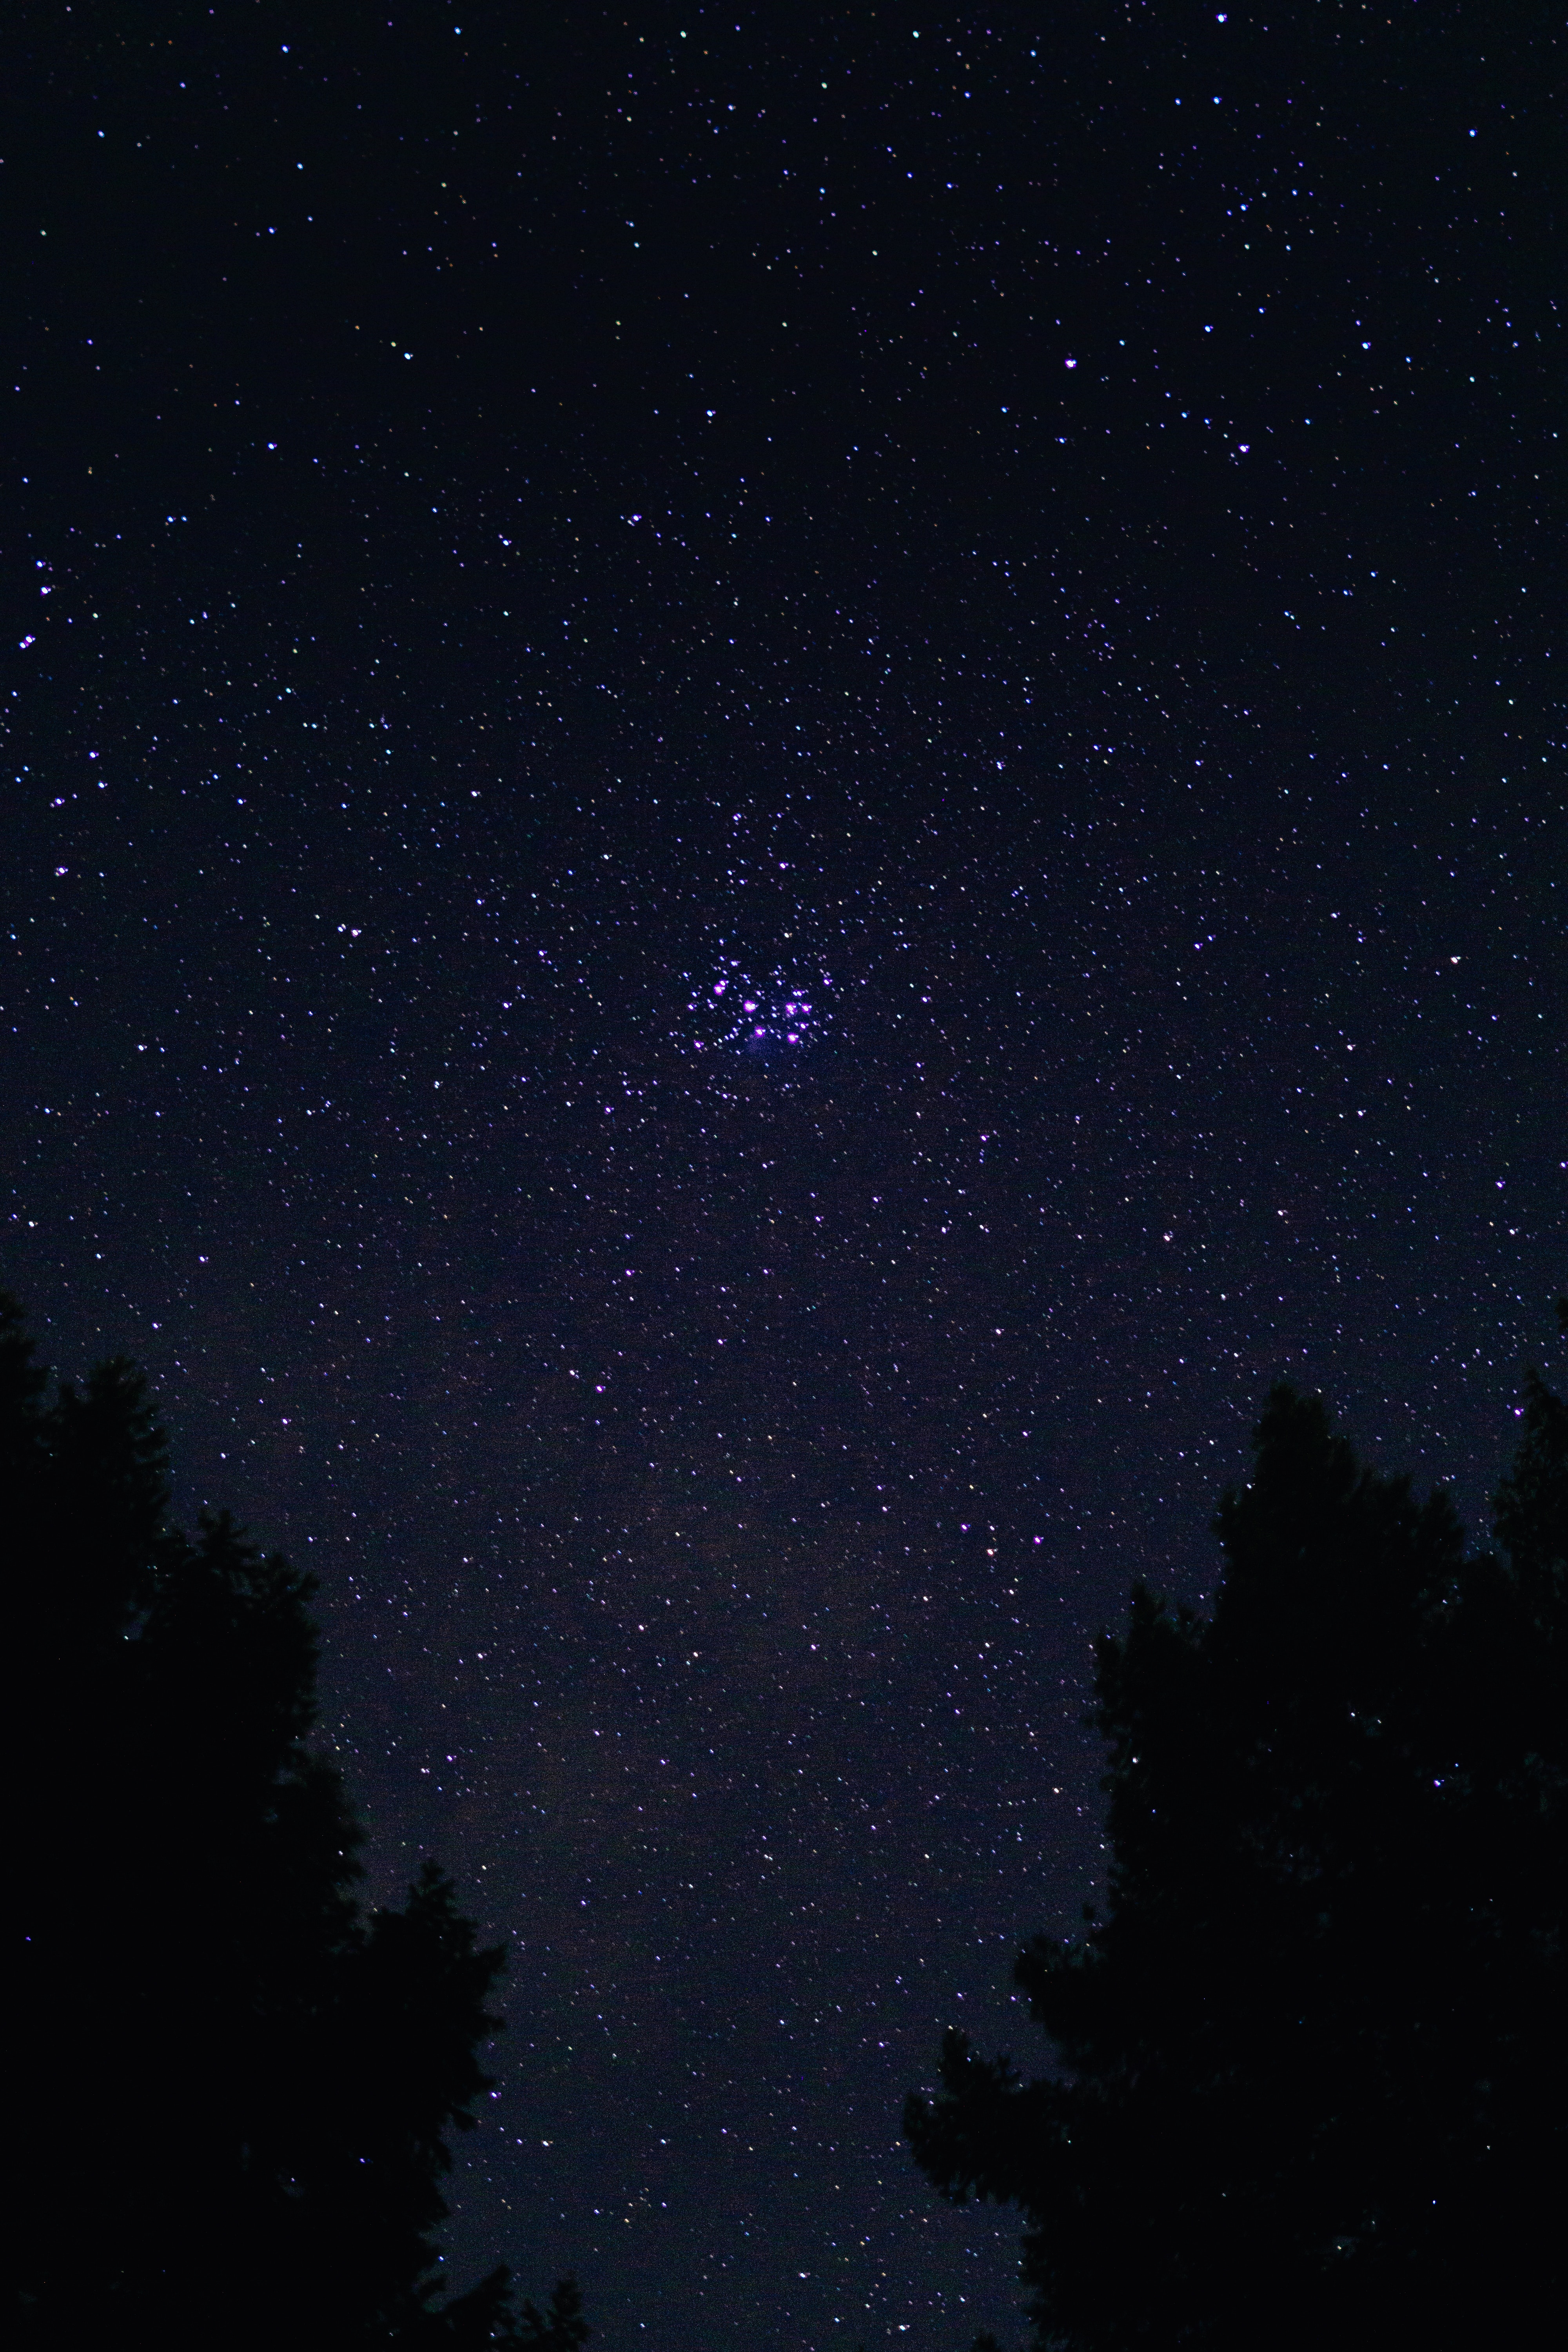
point(779, 784)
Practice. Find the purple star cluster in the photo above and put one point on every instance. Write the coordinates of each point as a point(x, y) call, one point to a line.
point(737, 1014)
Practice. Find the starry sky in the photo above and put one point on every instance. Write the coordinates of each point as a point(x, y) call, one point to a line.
point(780, 782)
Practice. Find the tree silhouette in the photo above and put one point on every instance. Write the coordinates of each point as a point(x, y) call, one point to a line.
point(1311, 2082)
point(236, 2088)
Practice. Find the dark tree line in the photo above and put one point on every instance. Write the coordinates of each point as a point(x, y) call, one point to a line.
point(1311, 2083)
point(234, 2088)
point(1310, 2086)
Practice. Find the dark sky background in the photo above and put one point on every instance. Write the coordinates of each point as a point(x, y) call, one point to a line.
point(780, 782)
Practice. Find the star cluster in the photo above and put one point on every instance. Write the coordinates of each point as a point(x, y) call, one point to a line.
point(738, 1013)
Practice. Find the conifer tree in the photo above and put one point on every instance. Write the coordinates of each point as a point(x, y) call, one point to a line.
point(1309, 2083)
point(237, 2087)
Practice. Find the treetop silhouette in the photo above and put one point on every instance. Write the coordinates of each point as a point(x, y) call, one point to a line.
point(1309, 2082)
point(238, 2087)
